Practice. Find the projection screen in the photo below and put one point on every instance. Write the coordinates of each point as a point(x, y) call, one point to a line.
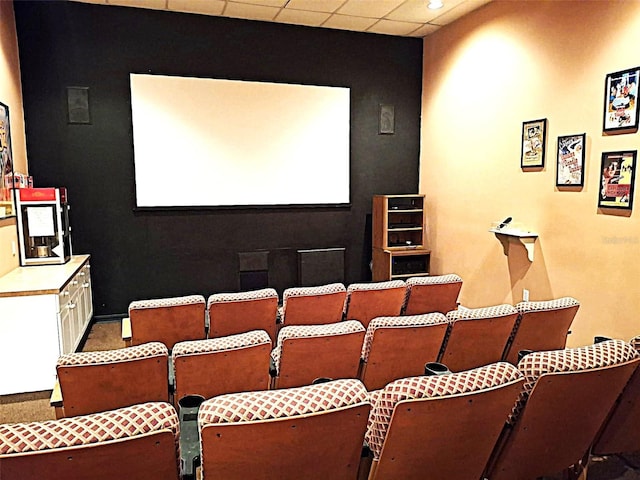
point(201, 142)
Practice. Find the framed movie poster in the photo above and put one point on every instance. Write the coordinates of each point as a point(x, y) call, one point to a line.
point(534, 136)
point(620, 102)
point(6, 164)
point(570, 160)
point(617, 178)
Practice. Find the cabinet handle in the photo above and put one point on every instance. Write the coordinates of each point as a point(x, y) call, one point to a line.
point(71, 306)
point(66, 293)
point(86, 285)
point(82, 274)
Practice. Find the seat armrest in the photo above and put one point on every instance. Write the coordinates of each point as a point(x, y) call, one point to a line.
point(126, 330)
point(56, 400)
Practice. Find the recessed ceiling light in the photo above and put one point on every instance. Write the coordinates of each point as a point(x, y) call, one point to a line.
point(435, 4)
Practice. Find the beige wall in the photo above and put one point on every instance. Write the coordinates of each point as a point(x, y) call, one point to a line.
point(11, 95)
point(509, 62)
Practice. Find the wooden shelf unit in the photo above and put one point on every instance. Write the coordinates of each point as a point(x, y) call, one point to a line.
point(399, 237)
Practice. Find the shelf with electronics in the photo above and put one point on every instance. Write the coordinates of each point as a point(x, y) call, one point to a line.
point(399, 237)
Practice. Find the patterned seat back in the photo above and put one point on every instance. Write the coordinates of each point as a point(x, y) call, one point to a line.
point(396, 347)
point(622, 431)
point(438, 293)
point(477, 336)
point(97, 381)
point(565, 400)
point(137, 443)
point(307, 352)
point(446, 425)
point(231, 313)
point(236, 363)
point(366, 301)
point(541, 326)
point(167, 320)
point(313, 305)
point(311, 432)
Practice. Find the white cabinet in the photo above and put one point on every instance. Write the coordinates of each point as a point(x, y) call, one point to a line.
point(44, 312)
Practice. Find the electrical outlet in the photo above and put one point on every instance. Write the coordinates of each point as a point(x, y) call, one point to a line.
point(525, 295)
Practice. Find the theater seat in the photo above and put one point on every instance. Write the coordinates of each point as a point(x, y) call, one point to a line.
point(541, 326)
point(165, 320)
point(317, 305)
point(437, 293)
point(622, 430)
point(442, 426)
point(305, 353)
point(92, 382)
point(232, 313)
point(314, 432)
point(366, 301)
point(565, 400)
point(134, 443)
point(396, 347)
point(236, 363)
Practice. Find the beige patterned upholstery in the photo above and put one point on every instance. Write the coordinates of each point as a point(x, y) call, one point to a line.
point(635, 342)
point(273, 404)
point(84, 430)
point(366, 301)
point(236, 363)
point(542, 325)
point(437, 293)
point(104, 380)
point(137, 443)
point(313, 305)
point(167, 320)
point(306, 331)
point(534, 365)
point(486, 377)
point(315, 431)
point(477, 336)
point(232, 313)
point(152, 349)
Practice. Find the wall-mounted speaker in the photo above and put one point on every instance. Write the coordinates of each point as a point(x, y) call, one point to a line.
point(78, 105)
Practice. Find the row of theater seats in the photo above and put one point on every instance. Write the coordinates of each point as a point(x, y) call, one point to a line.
point(169, 320)
point(389, 348)
point(498, 421)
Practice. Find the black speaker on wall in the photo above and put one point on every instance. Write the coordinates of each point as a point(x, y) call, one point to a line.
point(78, 105)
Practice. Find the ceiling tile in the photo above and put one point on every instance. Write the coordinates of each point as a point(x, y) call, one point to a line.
point(206, 7)
point(458, 11)
point(264, 3)
point(425, 30)
point(346, 22)
point(250, 12)
point(369, 8)
point(152, 4)
point(390, 27)
point(328, 6)
point(300, 17)
point(417, 11)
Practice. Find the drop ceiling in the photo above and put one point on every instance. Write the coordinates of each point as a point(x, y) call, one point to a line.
point(407, 18)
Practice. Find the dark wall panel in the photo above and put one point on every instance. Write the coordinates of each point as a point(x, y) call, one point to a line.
point(139, 255)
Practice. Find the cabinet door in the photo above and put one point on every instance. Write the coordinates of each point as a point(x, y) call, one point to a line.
point(87, 295)
point(66, 330)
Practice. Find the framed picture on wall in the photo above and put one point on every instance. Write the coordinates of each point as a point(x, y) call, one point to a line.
point(534, 136)
point(6, 164)
point(617, 178)
point(570, 160)
point(620, 100)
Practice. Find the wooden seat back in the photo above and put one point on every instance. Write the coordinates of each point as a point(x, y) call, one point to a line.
point(313, 305)
point(432, 294)
point(366, 301)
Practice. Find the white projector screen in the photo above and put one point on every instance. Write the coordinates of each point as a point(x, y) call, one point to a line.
point(202, 142)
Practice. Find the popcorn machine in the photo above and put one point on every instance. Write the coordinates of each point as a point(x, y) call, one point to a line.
point(43, 226)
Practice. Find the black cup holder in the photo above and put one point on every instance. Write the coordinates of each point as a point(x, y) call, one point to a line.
point(523, 353)
point(435, 368)
point(600, 339)
point(188, 406)
point(321, 380)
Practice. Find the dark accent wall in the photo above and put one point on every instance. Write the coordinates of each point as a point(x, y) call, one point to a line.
point(137, 255)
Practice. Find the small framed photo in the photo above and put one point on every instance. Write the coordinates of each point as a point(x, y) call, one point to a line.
point(387, 120)
point(534, 137)
point(6, 165)
point(620, 101)
point(570, 160)
point(617, 178)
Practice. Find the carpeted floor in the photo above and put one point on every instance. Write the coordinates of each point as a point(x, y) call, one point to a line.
point(29, 407)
